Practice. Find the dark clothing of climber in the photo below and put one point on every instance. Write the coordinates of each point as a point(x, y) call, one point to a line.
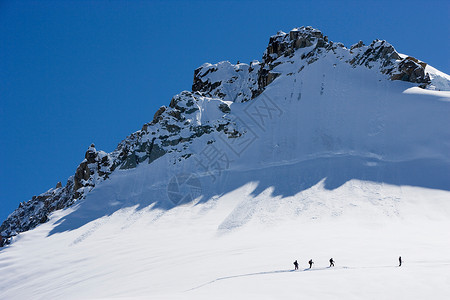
point(399, 261)
point(331, 262)
point(296, 265)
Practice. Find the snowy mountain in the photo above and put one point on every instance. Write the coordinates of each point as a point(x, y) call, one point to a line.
point(318, 150)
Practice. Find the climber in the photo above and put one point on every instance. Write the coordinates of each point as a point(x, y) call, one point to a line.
point(331, 262)
point(296, 265)
point(399, 261)
point(310, 262)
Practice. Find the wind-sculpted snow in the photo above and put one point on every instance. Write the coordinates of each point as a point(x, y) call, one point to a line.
point(339, 113)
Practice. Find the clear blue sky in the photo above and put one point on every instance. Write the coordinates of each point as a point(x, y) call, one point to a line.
point(77, 72)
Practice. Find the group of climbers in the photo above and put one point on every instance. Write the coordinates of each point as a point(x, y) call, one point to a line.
point(310, 262)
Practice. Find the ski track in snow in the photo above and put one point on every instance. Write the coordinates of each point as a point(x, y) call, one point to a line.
point(92, 229)
point(422, 264)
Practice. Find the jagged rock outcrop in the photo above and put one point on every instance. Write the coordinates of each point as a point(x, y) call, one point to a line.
point(158, 114)
point(377, 51)
point(391, 63)
point(35, 211)
point(242, 82)
point(412, 70)
point(378, 54)
point(236, 83)
point(284, 45)
point(173, 128)
point(96, 166)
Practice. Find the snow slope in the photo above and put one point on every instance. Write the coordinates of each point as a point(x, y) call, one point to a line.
point(330, 159)
point(242, 246)
point(439, 80)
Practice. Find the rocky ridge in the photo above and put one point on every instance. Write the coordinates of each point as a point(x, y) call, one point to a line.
point(175, 127)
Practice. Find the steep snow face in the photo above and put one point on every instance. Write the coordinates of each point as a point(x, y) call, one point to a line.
point(259, 164)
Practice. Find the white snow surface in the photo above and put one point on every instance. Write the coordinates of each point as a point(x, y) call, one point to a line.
point(335, 162)
point(439, 80)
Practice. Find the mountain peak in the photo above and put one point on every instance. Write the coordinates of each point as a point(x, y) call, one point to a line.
point(205, 115)
point(285, 44)
point(242, 82)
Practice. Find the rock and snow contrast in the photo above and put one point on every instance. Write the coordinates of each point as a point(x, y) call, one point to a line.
point(317, 151)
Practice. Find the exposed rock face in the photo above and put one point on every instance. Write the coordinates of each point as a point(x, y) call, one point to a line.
point(34, 212)
point(412, 70)
point(241, 82)
point(158, 114)
point(96, 166)
point(173, 128)
point(377, 51)
point(224, 108)
point(283, 44)
point(236, 83)
point(380, 52)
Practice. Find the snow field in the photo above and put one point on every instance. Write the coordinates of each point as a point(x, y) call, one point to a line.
point(183, 254)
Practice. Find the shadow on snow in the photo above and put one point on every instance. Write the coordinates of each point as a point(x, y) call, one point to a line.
point(140, 192)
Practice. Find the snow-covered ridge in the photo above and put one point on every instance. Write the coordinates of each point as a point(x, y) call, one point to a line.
point(215, 107)
point(241, 82)
point(439, 80)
